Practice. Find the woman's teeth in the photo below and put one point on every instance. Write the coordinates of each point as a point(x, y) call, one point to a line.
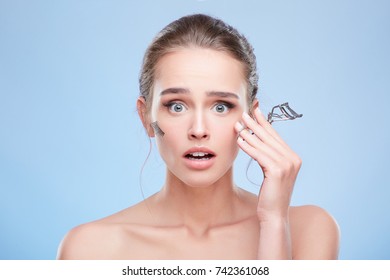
point(199, 156)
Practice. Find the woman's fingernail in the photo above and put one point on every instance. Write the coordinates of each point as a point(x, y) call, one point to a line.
point(239, 126)
point(245, 115)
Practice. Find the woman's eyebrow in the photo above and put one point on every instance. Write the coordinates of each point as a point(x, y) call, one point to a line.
point(222, 94)
point(175, 91)
point(209, 93)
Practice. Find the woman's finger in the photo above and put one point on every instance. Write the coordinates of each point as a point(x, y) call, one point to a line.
point(260, 118)
point(256, 148)
point(261, 156)
point(264, 135)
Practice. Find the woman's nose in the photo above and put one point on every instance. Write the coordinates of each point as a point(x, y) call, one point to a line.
point(198, 129)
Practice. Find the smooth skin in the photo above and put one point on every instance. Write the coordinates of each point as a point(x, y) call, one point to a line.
point(202, 214)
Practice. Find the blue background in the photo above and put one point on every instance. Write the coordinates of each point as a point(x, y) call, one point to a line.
point(71, 144)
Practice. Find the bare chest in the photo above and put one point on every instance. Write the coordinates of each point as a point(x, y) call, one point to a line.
point(233, 242)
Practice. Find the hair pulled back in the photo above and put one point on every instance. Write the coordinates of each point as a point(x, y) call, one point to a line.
point(198, 31)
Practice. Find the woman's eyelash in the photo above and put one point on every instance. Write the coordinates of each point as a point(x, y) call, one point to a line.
point(227, 104)
point(169, 104)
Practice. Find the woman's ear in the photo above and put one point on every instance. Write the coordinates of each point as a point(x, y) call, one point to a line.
point(144, 116)
point(254, 106)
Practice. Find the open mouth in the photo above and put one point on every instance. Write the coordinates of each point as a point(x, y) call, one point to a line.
point(199, 156)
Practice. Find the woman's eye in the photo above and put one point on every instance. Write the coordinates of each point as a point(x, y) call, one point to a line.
point(176, 107)
point(222, 108)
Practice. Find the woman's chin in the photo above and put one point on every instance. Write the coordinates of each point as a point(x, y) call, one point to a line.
point(200, 179)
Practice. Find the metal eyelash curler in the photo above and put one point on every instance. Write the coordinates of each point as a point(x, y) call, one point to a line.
point(286, 113)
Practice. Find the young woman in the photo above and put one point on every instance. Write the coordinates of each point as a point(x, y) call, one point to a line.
point(198, 88)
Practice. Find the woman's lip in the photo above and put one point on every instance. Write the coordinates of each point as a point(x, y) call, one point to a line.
point(199, 150)
point(199, 164)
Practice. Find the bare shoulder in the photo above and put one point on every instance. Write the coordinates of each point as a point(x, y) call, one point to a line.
point(101, 239)
point(315, 233)
point(94, 240)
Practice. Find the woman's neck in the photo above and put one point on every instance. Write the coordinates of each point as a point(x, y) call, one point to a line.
point(198, 208)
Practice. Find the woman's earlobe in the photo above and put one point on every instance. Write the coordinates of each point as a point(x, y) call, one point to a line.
point(143, 115)
point(150, 130)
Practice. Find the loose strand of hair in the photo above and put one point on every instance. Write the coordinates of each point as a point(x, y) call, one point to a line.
point(140, 178)
point(246, 173)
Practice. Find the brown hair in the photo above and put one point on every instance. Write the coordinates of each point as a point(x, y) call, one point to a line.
point(198, 31)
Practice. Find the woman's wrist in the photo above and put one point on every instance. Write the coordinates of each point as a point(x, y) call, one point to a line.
point(275, 217)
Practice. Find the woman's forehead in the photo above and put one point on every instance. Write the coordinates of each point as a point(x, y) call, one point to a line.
point(198, 69)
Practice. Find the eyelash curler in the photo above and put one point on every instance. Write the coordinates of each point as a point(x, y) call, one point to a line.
point(286, 113)
point(157, 129)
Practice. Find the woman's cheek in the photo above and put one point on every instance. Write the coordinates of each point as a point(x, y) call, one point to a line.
point(225, 129)
point(173, 136)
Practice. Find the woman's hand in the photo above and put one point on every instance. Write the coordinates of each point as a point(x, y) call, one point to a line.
point(280, 166)
point(279, 163)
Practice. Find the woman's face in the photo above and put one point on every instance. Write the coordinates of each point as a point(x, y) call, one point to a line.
point(198, 96)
